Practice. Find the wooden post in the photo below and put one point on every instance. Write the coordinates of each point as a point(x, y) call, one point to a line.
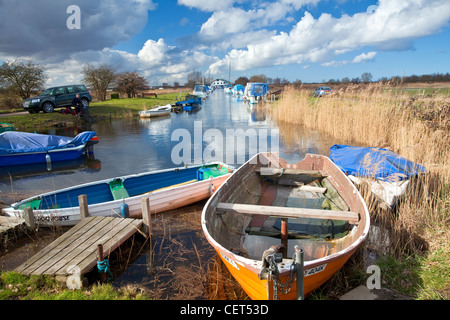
point(284, 236)
point(299, 271)
point(100, 258)
point(84, 211)
point(146, 216)
point(147, 219)
point(28, 216)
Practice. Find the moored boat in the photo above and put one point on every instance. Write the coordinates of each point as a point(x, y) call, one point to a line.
point(200, 91)
point(166, 189)
point(268, 210)
point(387, 174)
point(156, 112)
point(256, 91)
point(22, 148)
point(6, 127)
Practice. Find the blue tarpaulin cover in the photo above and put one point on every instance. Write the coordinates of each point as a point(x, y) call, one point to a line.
point(239, 87)
point(188, 102)
point(259, 89)
point(378, 163)
point(20, 142)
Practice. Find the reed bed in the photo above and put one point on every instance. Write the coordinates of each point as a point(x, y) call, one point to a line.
point(416, 128)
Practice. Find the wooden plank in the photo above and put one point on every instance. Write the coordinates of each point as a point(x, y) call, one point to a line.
point(48, 252)
point(289, 212)
point(313, 189)
point(86, 258)
point(74, 254)
point(75, 242)
point(264, 171)
point(78, 246)
point(109, 245)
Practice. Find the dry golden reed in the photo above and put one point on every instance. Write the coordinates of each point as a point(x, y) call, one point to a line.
point(416, 128)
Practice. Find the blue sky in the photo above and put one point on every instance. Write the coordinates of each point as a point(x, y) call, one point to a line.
point(308, 40)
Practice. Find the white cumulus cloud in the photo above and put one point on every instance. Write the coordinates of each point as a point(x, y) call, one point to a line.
point(394, 25)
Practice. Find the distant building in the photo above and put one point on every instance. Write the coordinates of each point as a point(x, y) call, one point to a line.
point(220, 84)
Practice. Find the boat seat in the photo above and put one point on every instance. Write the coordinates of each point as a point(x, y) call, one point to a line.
point(290, 212)
point(118, 190)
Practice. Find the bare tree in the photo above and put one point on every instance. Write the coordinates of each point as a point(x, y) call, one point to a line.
point(366, 77)
point(193, 78)
point(22, 78)
point(100, 78)
point(130, 83)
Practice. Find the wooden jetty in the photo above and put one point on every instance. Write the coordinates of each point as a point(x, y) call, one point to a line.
point(78, 250)
point(11, 229)
point(75, 252)
point(10, 223)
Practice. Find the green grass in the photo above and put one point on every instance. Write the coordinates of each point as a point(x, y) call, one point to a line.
point(423, 91)
point(14, 286)
point(110, 109)
point(121, 106)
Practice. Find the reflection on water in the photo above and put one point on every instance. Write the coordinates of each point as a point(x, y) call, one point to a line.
point(85, 163)
point(137, 145)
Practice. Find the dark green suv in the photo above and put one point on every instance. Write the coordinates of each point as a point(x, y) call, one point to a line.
point(57, 97)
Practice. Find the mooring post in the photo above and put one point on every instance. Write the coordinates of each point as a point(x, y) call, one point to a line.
point(82, 201)
point(284, 236)
point(147, 219)
point(299, 272)
point(100, 259)
point(28, 216)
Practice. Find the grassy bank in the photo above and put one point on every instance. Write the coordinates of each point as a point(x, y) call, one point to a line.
point(131, 106)
point(110, 109)
point(417, 128)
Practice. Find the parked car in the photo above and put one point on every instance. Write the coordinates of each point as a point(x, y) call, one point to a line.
point(57, 97)
point(322, 91)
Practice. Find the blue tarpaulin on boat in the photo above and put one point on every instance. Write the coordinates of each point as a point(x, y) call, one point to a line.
point(373, 162)
point(20, 142)
point(188, 102)
point(259, 89)
point(239, 87)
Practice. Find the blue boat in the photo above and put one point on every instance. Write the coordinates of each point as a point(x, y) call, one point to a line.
point(166, 189)
point(22, 148)
point(256, 91)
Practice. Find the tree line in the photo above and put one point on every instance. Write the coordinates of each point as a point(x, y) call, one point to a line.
point(24, 78)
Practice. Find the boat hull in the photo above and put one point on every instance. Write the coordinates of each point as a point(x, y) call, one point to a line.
point(257, 289)
point(321, 262)
point(41, 157)
point(162, 199)
point(157, 112)
point(23, 148)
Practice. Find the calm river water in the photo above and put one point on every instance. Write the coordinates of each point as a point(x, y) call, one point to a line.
point(183, 257)
point(131, 146)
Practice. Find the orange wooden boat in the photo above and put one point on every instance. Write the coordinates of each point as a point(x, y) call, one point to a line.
point(268, 210)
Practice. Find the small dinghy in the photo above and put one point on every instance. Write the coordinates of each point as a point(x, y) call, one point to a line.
point(269, 216)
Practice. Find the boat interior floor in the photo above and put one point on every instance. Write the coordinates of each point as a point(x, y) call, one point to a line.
point(315, 236)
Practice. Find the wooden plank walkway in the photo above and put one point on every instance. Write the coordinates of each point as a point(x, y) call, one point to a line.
point(10, 223)
point(77, 248)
